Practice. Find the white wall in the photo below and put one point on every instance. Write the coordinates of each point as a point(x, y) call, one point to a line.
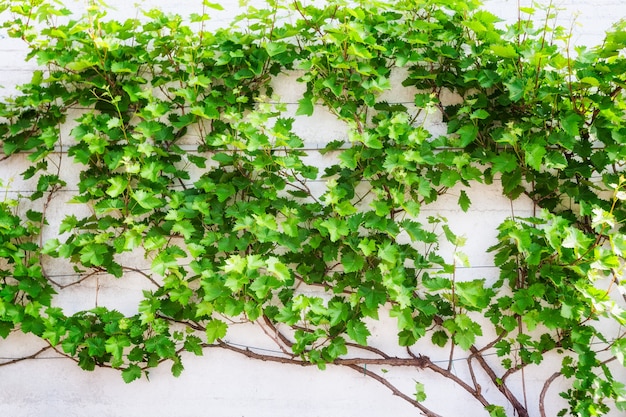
point(221, 383)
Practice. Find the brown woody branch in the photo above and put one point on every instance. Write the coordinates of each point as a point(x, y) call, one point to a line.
point(33, 356)
point(519, 408)
point(352, 363)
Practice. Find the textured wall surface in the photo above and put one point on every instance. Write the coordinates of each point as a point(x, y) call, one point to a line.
point(221, 383)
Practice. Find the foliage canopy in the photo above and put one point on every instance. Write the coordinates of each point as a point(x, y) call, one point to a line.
point(188, 159)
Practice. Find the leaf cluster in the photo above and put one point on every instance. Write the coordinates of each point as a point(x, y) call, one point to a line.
point(187, 159)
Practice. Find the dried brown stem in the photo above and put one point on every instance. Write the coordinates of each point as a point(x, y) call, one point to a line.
point(544, 390)
point(371, 349)
point(419, 363)
point(272, 332)
point(280, 335)
point(33, 356)
point(352, 363)
point(446, 373)
point(140, 272)
point(426, 411)
point(519, 408)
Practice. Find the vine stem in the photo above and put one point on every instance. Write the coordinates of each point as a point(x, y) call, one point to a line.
point(475, 392)
point(352, 363)
point(544, 390)
point(273, 333)
point(425, 411)
point(33, 356)
point(519, 407)
point(360, 365)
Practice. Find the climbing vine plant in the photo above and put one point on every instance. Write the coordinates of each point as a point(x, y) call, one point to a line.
point(186, 158)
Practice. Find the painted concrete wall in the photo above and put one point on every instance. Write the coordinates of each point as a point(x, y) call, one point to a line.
point(221, 383)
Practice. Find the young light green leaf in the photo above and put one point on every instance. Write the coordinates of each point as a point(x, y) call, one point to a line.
point(215, 329)
point(358, 331)
point(305, 106)
point(420, 393)
point(131, 373)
